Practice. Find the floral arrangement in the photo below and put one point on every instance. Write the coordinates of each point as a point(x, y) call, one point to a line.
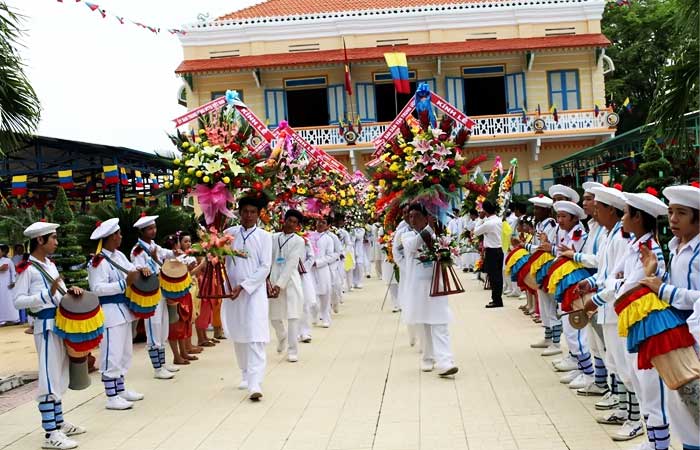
point(215, 245)
point(443, 250)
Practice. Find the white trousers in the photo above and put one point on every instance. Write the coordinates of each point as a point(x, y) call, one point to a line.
point(290, 329)
point(436, 346)
point(348, 280)
point(53, 364)
point(576, 340)
point(548, 309)
point(682, 422)
point(394, 293)
point(358, 274)
point(324, 304)
point(595, 338)
point(650, 391)
point(378, 266)
point(251, 360)
point(158, 326)
point(116, 349)
point(615, 350)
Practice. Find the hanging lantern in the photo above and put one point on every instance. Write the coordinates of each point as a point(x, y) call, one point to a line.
point(445, 280)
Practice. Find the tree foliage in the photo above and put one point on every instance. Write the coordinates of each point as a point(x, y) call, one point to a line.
point(19, 106)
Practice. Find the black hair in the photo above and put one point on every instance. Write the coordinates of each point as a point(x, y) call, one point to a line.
point(5, 248)
point(489, 207)
point(696, 215)
point(298, 215)
point(171, 241)
point(473, 212)
point(418, 207)
point(520, 207)
point(258, 203)
point(648, 221)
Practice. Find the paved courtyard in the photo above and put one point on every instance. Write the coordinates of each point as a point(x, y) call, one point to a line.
point(357, 386)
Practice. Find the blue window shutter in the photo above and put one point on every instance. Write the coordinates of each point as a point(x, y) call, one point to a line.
point(515, 92)
point(366, 108)
point(336, 103)
point(430, 82)
point(454, 92)
point(275, 106)
point(564, 89)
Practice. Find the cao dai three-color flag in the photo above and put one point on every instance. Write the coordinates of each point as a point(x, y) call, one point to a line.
point(398, 66)
point(65, 179)
point(154, 181)
point(111, 174)
point(138, 178)
point(19, 185)
point(123, 176)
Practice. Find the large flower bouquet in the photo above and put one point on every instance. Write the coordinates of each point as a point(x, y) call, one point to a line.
point(215, 246)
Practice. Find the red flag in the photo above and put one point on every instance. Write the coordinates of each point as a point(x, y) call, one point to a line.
point(348, 84)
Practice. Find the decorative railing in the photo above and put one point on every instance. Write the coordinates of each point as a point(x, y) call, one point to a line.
point(494, 127)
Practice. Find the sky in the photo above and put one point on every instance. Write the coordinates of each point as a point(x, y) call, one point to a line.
point(102, 82)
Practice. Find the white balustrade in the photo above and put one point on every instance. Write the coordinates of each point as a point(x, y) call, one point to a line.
point(494, 126)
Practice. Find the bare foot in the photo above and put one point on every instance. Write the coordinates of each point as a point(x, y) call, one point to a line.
point(214, 340)
point(205, 344)
point(195, 350)
point(181, 362)
point(191, 358)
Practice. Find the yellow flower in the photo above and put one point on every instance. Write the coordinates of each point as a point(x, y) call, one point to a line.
point(185, 144)
point(187, 180)
point(197, 140)
point(226, 180)
point(404, 183)
point(167, 185)
point(176, 182)
point(193, 149)
point(395, 157)
point(394, 167)
point(342, 202)
point(382, 182)
point(301, 190)
point(333, 197)
point(350, 201)
point(205, 144)
point(206, 178)
point(403, 145)
point(342, 194)
point(199, 174)
point(176, 161)
point(202, 131)
point(190, 171)
point(176, 173)
point(395, 182)
point(409, 158)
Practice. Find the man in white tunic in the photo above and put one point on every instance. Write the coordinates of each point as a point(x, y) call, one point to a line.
point(146, 254)
point(360, 257)
point(8, 312)
point(432, 313)
point(38, 288)
point(347, 257)
point(287, 253)
point(245, 314)
point(400, 259)
point(323, 264)
point(308, 284)
point(109, 282)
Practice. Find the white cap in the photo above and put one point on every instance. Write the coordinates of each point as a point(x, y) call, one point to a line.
point(566, 191)
point(106, 228)
point(40, 229)
point(588, 185)
point(541, 201)
point(569, 207)
point(683, 195)
point(647, 203)
point(145, 221)
point(609, 196)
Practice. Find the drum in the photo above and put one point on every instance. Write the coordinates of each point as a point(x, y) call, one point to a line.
point(80, 322)
point(659, 335)
point(515, 260)
point(563, 279)
point(539, 267)
point(578, 319)
point(144, 296)
point(175, 280)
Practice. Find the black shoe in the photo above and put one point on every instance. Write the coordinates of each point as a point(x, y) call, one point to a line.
point(465, 270)
point(494, 305)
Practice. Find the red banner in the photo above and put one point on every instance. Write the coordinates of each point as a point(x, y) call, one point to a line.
point(437, 101)
point(204, 109)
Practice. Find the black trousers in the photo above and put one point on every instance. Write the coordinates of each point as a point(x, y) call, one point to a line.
point(493, 266)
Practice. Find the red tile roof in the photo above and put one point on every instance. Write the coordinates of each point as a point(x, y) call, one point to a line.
point(275, 8)
point(233, 63)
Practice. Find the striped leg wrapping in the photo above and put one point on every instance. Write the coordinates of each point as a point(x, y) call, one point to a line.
point(110, 386)
point(662, 437)
point(601, 372)
point(48, 416)
point(155, 357)
point(58, 413)
point(548, 333)
point(556, 334)
point(585, 364)
point(632, 406)
point(120, 384)
point(161, 356)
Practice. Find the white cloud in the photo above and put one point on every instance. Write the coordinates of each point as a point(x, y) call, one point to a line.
point(103, 82)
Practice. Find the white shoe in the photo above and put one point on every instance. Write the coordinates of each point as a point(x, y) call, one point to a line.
point(69, 429)
point(609, 401)
point(427, 366)
point(446, 372)
point(566, 364)
point(552, 350)
point(514, 295)
point(581, 381)
point(171, 368)
point(592, 389)
point(58, 440)
point(131, 396)
point(282, 345)
point(325, 325)
point(292, 358)
point(395, 309)
point(335, 308)
point(629, 430)
point(306, 338)
point(163, 374)
point(243, 385)
point(544, 343)
point(569, 376)
point(506, 293)
point(614, 417)
point(118, 403)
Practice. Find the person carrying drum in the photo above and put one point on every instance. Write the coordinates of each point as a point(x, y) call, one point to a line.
point(38, 288)
point(146, 254)
point(288, 249)
point(109, 281)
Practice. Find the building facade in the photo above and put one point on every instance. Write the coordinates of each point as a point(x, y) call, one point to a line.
point(505, 63)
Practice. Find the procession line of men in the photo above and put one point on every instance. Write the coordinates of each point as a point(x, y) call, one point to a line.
point(620, 248)
point(305, 277)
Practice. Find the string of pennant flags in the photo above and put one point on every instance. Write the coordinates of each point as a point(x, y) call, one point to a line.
point(122, 20)
point(112, 175)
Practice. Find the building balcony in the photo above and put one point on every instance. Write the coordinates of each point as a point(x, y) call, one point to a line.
point(487, 129)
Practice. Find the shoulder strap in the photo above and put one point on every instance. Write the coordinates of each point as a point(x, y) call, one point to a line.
point(46, 276)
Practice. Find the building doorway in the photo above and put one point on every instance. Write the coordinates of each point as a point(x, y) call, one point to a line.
point(388, 106)
point(485, 96)
point(307, 107)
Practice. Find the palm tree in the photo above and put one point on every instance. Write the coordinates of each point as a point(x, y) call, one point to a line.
point(19, 105)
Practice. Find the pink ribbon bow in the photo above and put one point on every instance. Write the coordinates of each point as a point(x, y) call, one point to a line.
point(213, 200)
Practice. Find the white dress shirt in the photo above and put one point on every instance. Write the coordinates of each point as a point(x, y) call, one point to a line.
point(491, 229)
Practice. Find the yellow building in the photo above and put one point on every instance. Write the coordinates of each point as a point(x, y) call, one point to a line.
point(500, 61)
